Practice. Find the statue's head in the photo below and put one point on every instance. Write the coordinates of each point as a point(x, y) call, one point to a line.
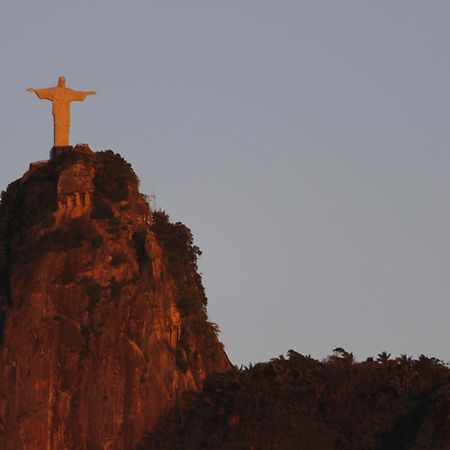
point(61, 81)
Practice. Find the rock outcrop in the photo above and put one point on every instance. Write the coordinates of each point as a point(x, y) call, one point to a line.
point(103, 317)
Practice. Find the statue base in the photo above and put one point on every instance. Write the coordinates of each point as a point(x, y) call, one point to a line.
point(56, 152)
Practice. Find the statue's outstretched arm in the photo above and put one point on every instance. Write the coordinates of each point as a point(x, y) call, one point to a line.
point(44, 94)
point(79, 96)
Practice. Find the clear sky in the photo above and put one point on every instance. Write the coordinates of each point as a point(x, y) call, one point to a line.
point(305, 143)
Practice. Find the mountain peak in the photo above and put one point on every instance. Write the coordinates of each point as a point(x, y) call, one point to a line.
point(104, 321)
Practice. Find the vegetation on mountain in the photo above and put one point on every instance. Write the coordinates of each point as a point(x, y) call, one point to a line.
point(113, 175)
point(83, 315)
point(25, 203)
point(181, 256)
point(32, 201)
point(292, 402)
point(303, 404)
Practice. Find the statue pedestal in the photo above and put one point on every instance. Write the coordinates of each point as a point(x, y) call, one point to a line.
point(55, 152)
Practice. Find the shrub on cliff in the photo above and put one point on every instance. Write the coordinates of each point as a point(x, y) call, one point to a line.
point(113, 175)
point(30, 201)
point(181, 257)
point(101, 210)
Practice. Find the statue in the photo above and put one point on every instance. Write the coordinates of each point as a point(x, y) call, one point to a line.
point(60, 96)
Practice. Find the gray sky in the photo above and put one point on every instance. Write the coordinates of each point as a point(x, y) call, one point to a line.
point(305, 143)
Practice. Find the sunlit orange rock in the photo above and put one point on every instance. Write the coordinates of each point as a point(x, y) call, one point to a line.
point(102, 330)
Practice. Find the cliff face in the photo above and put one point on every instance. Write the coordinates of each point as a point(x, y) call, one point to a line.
point(104, 320)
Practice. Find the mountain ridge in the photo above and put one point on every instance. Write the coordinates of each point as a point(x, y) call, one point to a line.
point(296, 402)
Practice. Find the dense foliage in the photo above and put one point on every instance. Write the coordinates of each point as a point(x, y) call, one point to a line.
point(303, 404)
point(181, 259)
point(182, 255)
point(113, 175)
point(32, 200)
point(25, 203)
point(112, 180)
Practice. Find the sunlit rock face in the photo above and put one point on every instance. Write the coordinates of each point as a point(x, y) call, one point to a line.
point(103, 319)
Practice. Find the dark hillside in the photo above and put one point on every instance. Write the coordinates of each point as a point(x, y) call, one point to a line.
point(303, 404)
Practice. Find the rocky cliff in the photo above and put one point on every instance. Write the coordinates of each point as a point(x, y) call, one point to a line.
point(103, 320)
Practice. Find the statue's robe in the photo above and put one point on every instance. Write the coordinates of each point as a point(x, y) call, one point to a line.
point(61, 98)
